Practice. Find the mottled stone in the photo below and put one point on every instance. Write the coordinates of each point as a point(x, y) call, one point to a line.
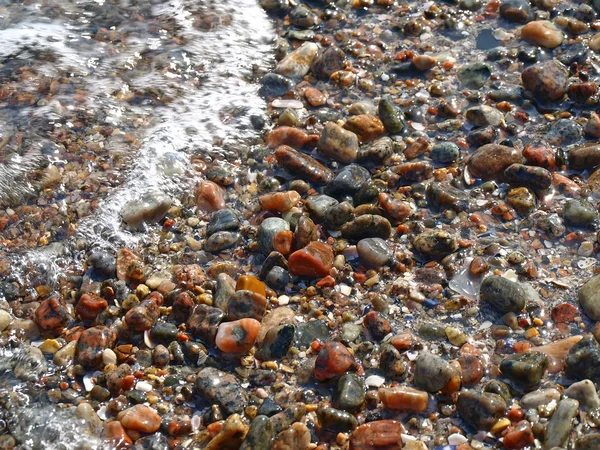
point(526, 369)
point(338, 143)
point(302, 165)
point(506, 295)
point(367, 226)
point(547, 81)
point(480, 410)
point(221, 388)
point(297, 64)
point(435, 243)
point(543, 33)
point(314, 260)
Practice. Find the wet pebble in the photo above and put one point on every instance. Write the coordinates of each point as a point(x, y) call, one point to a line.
point(435, 243)
point(480, 410)
point(379, 434)
point(526, 369)
point(491, 160)
point(367, 226)
point(374, 252)
point(267, 231)
point(149, 208)
point(221, 388)
point(579, 213)
point(516, 11)
point(338, 143)
point(276, 342)
point(333, 360)
point(403, 398)
point(543, 33)
point(547, 81)
point(297, 63)
point(349, 393)
point(432, 373)
point(237, 336)
point(314, 260)
point(506, 295)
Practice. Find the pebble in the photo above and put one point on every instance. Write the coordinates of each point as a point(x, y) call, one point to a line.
point(338, 143)
point(505, 295)
point(376, 153)
point(91, 345)
point(377, 435)
point(579, 213)
point(540, 397)
point(66, 355)
point(491, 160)
point(516, 11)
point(522, 199)
point(475, 75)
point(246, 304)
point(560, 424)
point(230, 435)
point(140, 418)
point(275, 85)
point(204, 323)
point(336, 420)
point(521, 436)
point(221, 240)
point(584, 157)
point(377, 325)
point(315, 97)
point(547, 81)
point(402, 398)
point(543, 33)
point(539, 153)
point(480, 410)
point(276, 342)
point(237, 336)
point(397, 210)
point(222, 220)
point(279, 201)
point(114, 434)
point(367, 226)
point(525, 369)
point(289, 136)
point(51, 316)
point(374, 252)
point(391, 116)
point(583, 360)
point(145, 315)
point(445, 153)
point(314, 260)
point(297, 63)
point(535, 177)
point(349, 393)
point(435, 243)
point(333, 360)
point(366, 127)
point(222, 389)
point(589, 297)
point(259, 434)
point(348, 181)
point(328, 62)
point(432, 373)
point(297, 436)
point(267, 231)
point(589, 441)
point(209, 196)
point(585, 393)
point(483, 116)
point(318, 207)
point(149, 208)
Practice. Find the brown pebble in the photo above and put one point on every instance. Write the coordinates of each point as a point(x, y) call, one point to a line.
point(333, 360)
point(140, 418)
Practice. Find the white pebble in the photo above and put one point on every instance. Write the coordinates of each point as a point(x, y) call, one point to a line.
point(109, 357)
point(456, 439)
point(345, 289)
point(283, 300)
point(88, 382)
point(149, 343)
point(261, 393)
point(375, 381)
point(143, 386)
point(294, 104)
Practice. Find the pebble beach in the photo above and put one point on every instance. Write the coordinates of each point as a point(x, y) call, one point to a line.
point(351, 225)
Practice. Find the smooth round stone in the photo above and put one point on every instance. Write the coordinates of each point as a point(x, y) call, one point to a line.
point(91, 345)
point(327, 62)
point(238, 336)
point(275, 85)
point(480, 410)
point(589, 297)
point(103, 263)
point(391, 116)
point(221, 240)
point(348, 181)
point(402, 398)
point(302, 16)
point(539, 153)
point(140, 418)
point(278, 278)
point(145, 315)
point(374, 252)
point(379, 434)
point(302, 165)
point(164, 332)
point(336, 420)
point(594, 43)
point(583, 360)
point(491, 160)
point(209, 196)
point(296, 436)
point(535, 177)
point(221, 388)
point(560, 424)
point(222, 220)
point(349, 393)
point(564, 132)
point(318, 207)
point(516, 11)
point(267, 231)
point(445, 153)
point(333, 360)
point(204, 323)
point(365, 126)
point(505, 295)
point(294, 137)
point(297, 64)
point(543, 33)
point(483, 116)
point(585, 393)
point(279, 201)
point(276, 342)
point(246, 304)
point(367, 226)
point(579, 213)
point(161, 356)
point(540, 397)
point(526, 369)
point(432, 373)
point(377, 325)
point(581, 93)
point(338, 215)
point(307, 332)
point(149, 208)
point(259, 435)
point(338, 143)
point(66, 355)
point(475, 75)
point(547, 81)
point(584, 157)
point(522, 199)
point(314, 260)
point(435, 243)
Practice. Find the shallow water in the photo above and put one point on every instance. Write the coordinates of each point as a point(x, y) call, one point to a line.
point(121, 99)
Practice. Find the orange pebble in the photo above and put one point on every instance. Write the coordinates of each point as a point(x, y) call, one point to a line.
point(514, 415)
point(283, 242)
point(314, 260)
point(521, 346)
point(209, 196)
point(279, 201)
point(328, 281)
point(250, 283)
point(115, 434)
point(238, 336)
point(127, 382)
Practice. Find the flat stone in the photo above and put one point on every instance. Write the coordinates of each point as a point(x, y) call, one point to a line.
point(526, 369)
point(480, 410)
